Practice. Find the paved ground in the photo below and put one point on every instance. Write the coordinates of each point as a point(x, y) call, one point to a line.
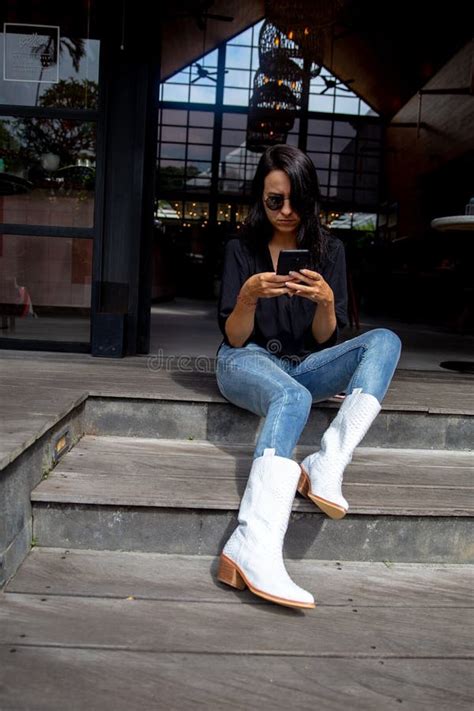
point(111, 631)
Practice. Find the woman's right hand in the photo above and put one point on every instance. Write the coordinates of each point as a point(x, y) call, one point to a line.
point(264, 286)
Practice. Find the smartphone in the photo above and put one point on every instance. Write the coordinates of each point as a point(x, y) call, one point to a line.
point(293, 260)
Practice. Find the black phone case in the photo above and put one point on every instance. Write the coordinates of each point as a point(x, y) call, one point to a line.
point(293, 260)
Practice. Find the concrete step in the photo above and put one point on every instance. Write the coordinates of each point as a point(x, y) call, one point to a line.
point(175, 496)
point(400, 424)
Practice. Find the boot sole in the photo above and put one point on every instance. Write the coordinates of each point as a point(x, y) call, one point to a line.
point(332, 510)
point(230, 574)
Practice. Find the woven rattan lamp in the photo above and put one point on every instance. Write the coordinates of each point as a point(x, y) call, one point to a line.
point(306, 22)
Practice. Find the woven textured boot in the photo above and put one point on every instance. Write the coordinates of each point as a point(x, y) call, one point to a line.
point(322, 472)
point(253, 555)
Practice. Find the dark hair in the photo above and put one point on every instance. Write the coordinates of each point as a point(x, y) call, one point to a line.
point(305, 197)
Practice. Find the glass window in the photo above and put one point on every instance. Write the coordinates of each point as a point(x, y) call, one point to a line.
point(366, 197)
point(320, 160)
point(236, 97)
point(233, 138)
point(321, 103)
point(200, 135)
point(201, 118)
point(50, 65)
point(346, 105)
point(175, 117)
point(345, 161)
point(238, 78)
point(224, 212)
point(177, 151)
point(45, 288)
point(244, 37)
point(318, 126)
point(343, 128)
point(365, 109)
point(174, 92)
point(196, 211)
point(319, 143)
point(237, 57)
point(346, 145)
point(198, 176)
point(238, 121)
point(323, 176)
point(171, 176)
point(173, 134)
point(241, 212)
point(199, 153)
point(48, 175)
point(203, 94)
point(333, 143)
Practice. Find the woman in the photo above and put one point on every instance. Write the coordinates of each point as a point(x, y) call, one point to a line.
point(279, 356)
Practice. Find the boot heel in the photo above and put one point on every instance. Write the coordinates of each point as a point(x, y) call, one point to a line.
point(304, 484)
point(228, 574)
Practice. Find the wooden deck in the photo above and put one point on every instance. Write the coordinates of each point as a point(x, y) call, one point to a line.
point(101, 630)
point(136, 471)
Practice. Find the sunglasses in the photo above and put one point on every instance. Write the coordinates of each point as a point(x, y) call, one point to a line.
point(275, 202)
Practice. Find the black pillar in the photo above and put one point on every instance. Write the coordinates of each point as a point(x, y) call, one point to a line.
point(125, 172)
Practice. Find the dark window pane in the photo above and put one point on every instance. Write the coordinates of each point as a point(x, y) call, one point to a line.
point(199, 153)
point(235, 121)
point(45, 288)
point(171, 176)
point(201, 118)
point(177, 151)
point(49, 172)
point(342, 128)
point(319, 143)
point(346, 145)
point(174, 117)
point(316, 126)
point(200, 135)
point(45, 64)
point(320, 160)
point(173, 133)
point(233, 138)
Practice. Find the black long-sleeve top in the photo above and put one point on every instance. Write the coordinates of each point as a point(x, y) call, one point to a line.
point(282, 323)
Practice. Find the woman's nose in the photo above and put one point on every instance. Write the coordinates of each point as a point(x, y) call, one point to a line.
point(286, 208)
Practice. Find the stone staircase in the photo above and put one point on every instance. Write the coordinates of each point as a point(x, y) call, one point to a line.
point(167, 477)
point(117, 606)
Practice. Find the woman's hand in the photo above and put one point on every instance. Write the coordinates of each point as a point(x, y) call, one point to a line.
point(263, 286)
point(312, 286)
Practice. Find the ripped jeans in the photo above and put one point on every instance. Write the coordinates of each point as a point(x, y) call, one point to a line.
point(282, 391)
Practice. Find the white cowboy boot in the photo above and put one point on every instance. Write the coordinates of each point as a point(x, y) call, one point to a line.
point(321, 472)
point(252, 557)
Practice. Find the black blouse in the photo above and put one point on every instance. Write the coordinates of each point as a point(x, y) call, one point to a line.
point(282, 323)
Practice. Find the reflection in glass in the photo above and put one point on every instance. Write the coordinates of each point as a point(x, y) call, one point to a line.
point(47, 172)
point(45, 288)
point(60, 76)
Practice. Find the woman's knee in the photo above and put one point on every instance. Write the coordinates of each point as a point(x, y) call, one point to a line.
point(294, 397)
point(386, 340)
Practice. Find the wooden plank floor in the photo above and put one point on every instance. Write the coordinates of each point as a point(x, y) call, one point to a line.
point(101, 630)
point(172, 473)
point(36, 390)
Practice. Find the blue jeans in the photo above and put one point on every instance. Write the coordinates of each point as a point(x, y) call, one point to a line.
point(282, 391)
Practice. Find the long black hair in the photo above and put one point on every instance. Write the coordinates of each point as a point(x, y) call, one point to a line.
point(305, 199)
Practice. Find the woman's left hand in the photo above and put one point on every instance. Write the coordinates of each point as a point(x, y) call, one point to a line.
point(314, 288)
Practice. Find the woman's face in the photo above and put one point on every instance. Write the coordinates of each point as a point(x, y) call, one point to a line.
point(284, 218)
